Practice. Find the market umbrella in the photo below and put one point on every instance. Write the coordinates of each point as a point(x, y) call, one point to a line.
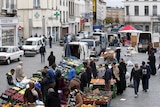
point(129, 29)
point(67, 50)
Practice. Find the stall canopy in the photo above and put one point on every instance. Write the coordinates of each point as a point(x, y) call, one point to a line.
point(129, 29)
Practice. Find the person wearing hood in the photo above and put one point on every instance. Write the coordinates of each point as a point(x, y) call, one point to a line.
point(52, 99)
point(136, 75)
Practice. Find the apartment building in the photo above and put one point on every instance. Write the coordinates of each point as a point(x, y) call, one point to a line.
point(64, 14)
point(39, 17)
point(143, 14)
point(115, 13)
point(8, 23)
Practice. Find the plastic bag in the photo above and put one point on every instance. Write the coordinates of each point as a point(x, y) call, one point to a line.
point(129, 63)
point(127, 75)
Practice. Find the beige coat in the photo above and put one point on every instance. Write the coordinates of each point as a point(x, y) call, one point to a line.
point(116, 73)
point(19, 73)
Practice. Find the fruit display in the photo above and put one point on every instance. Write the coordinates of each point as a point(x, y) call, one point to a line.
point(22, 91)
point(17, 97)
point(89, 105)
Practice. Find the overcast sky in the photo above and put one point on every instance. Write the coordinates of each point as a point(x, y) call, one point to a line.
point(114, 3)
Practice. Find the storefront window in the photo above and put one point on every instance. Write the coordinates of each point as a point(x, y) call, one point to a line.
point(7, 37)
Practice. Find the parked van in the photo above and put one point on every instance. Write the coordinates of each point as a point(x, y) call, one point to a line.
point(77, 49)
point(144, 38)
point(32, 44)
point(102, 37)
point(93, 45)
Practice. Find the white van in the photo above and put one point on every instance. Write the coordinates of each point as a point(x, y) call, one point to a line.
point(93, 45)
point(32, 44)
point(144, 38)
point(102, 37)
point(78, 50)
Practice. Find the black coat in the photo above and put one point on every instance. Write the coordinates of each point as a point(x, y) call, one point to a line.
point(83, 80)
point(136, 74)
point(51, 59)
point(53, 100)
point(94, 69)
point(152, 61)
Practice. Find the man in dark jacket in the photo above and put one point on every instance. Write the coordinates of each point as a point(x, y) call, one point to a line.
point(107, 78)
point(9, 77)
point(136, 74)
point(88, 71)
point(51, 59)
point(94, 69)
point(145, 76)
point(42, 51)
point(45, 85)
point(52, 99)
point(83, 79)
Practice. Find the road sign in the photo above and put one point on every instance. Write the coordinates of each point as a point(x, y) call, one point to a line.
point(56, 14)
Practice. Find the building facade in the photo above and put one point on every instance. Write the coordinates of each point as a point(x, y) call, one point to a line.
point(115, 13)
point(143, 14)
point(8, 23)
point(39, 17)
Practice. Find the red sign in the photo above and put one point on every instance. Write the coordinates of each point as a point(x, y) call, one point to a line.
point(19, 27)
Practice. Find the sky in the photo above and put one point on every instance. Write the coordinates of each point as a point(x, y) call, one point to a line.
point(114, 3)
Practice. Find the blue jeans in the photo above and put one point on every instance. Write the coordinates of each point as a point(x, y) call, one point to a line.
point(145, 82)
point(42, 57)
point(136, 85)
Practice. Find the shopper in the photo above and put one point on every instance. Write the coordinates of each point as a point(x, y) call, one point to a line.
point(44, 85)
point(52, 99)
point(93, 66)
point(32, 94)
point(10, 77)
point(72, 73)
point(50, 41)
point(51, 58)
point(51, 75)
point(83, 79)
point(64, 95)
point(19, 72)
point(75, 98)
point(145, 76)
point(107, 78)
point(88, 71)
point(136, 75)
point(152, 63)
point(42, 51)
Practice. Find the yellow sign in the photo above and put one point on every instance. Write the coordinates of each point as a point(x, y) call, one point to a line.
point(94, 5)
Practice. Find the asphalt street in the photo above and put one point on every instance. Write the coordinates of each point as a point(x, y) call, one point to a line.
point(145, 99)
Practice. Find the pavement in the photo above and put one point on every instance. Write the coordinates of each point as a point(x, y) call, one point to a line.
point(144, 99)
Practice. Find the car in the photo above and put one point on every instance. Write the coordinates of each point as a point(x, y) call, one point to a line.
point(70, 37)
point(10, 53)
point(94, 46)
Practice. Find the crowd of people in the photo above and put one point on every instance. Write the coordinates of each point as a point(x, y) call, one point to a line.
point(57, 90)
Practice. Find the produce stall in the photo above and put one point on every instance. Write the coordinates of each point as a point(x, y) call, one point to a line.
point(101, 98)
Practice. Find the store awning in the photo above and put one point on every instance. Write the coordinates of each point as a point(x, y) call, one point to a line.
point(37, 23)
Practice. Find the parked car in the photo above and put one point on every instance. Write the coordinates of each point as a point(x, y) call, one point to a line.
point(93, 45)
point(10, 53)
point(82, 34)
point(67, 37)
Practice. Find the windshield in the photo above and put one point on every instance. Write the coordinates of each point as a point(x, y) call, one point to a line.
point(4, 50)
point(145, 38)
point(90, 43)
point(30, 43)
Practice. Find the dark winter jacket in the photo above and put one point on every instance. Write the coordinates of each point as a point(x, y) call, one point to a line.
point(51, 59)
point(136, 74)
point(9, 78)
point(83, 80)
point(94, 70)
point(52, 100)
point(107, 75)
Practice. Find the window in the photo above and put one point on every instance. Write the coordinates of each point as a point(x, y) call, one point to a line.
point(36, 3)
point(146, 10)
point(154, 10)
point(147, 28)
point(136, 10)
point(145, 0)
point(64, 16)
point(60, 2)
point(127, 10)
point(154, 0)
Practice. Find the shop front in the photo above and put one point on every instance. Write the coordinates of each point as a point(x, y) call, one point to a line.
point(9, 31)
